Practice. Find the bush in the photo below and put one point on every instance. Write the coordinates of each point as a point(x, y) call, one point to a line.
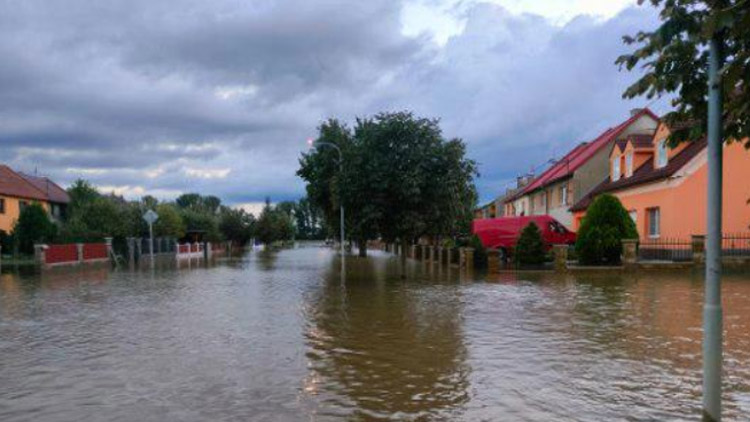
point(6, 242)
point(530, 246)
point(33, 226)
point(602, 231)
point(480, 252)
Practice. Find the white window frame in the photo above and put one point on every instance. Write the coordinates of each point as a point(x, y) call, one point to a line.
point(633, 215)
point(662, 157)
point(564, 194)
point(616, 168)
point(654, 215)
point(629, 164)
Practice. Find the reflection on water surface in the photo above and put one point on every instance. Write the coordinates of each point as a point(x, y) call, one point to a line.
point(277, 336)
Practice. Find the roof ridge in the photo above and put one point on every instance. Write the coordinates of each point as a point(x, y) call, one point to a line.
point(23, 176)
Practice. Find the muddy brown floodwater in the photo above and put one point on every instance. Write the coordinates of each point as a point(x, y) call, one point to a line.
point(281, 337)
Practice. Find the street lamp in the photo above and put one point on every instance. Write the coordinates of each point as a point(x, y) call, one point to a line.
point(712, 310)
point(318, 144)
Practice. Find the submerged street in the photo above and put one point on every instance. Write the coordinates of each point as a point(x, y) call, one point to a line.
point(279, 336)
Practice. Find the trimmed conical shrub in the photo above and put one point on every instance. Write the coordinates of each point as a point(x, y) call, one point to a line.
point(602, 231)
point(530, 246)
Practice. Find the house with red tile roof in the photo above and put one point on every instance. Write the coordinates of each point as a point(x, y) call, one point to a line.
point(664, 189)
point(17, 190)
point(572, 177)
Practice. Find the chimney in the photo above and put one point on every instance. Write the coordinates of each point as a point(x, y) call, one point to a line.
point(522, 181)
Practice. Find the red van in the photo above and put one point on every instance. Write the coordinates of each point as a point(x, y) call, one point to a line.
point(502, 233)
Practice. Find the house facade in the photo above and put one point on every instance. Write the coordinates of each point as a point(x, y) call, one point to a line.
point(499, 206)
point(662, 188)
point(18, 190)
point(570, 178)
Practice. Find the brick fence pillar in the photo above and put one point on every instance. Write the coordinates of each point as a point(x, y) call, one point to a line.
point(629, 252)
point(561, 257)
point(138, 247)
point(79, 248)
point(493, 261)
point(440, 255)
point(131, 251)
point(108, 242)
point(699, 249)
point(40, 254)
point(470, 259)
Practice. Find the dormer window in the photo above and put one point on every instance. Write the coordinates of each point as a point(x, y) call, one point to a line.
point(629, 164)
point(661, 153)
point(616, 168)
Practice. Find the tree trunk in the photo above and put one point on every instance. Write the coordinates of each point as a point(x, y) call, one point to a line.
point(362, 245)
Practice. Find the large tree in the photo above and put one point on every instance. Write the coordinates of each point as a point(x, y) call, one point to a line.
point(273, 225)
point(170, 222)
point(401, 178)
point(236, 225)
point(674, 58)
point(308, 220)
point(320, 169)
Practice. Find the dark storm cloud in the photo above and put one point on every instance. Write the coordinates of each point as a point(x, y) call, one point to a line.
point(169, 96)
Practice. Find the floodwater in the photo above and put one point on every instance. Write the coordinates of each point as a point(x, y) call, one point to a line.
point(280, 337)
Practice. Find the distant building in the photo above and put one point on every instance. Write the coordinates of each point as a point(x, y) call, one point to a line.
point(572, 177)
point(664, 189)
point(498, 208)
point(18, 190)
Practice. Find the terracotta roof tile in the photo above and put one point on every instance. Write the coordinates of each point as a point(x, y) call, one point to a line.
point(12, 184)
point(52, 191)
point(621, 143)
point(641, 141)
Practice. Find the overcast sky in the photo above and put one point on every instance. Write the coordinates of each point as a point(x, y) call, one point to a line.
point(163, 96)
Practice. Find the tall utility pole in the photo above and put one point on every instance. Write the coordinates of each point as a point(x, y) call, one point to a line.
point(712, 311)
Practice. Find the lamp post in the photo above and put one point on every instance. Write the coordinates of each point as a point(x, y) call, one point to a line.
point(712, 311)
point(318, 144)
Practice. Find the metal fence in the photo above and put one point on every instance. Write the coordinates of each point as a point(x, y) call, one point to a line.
point(735, 244)
point(666, 249)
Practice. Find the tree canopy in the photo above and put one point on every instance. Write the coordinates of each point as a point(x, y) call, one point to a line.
point(674, 57)
point(274, 225)
point(401, 178)
point(33, 226)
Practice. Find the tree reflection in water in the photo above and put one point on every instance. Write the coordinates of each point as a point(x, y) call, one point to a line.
point(376, 347)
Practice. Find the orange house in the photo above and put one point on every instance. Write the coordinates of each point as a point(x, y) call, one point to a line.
point(17, 190)
point(664, 189)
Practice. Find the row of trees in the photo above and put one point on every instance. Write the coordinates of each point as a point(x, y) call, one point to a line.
point(92, 215)
point(399, 179)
